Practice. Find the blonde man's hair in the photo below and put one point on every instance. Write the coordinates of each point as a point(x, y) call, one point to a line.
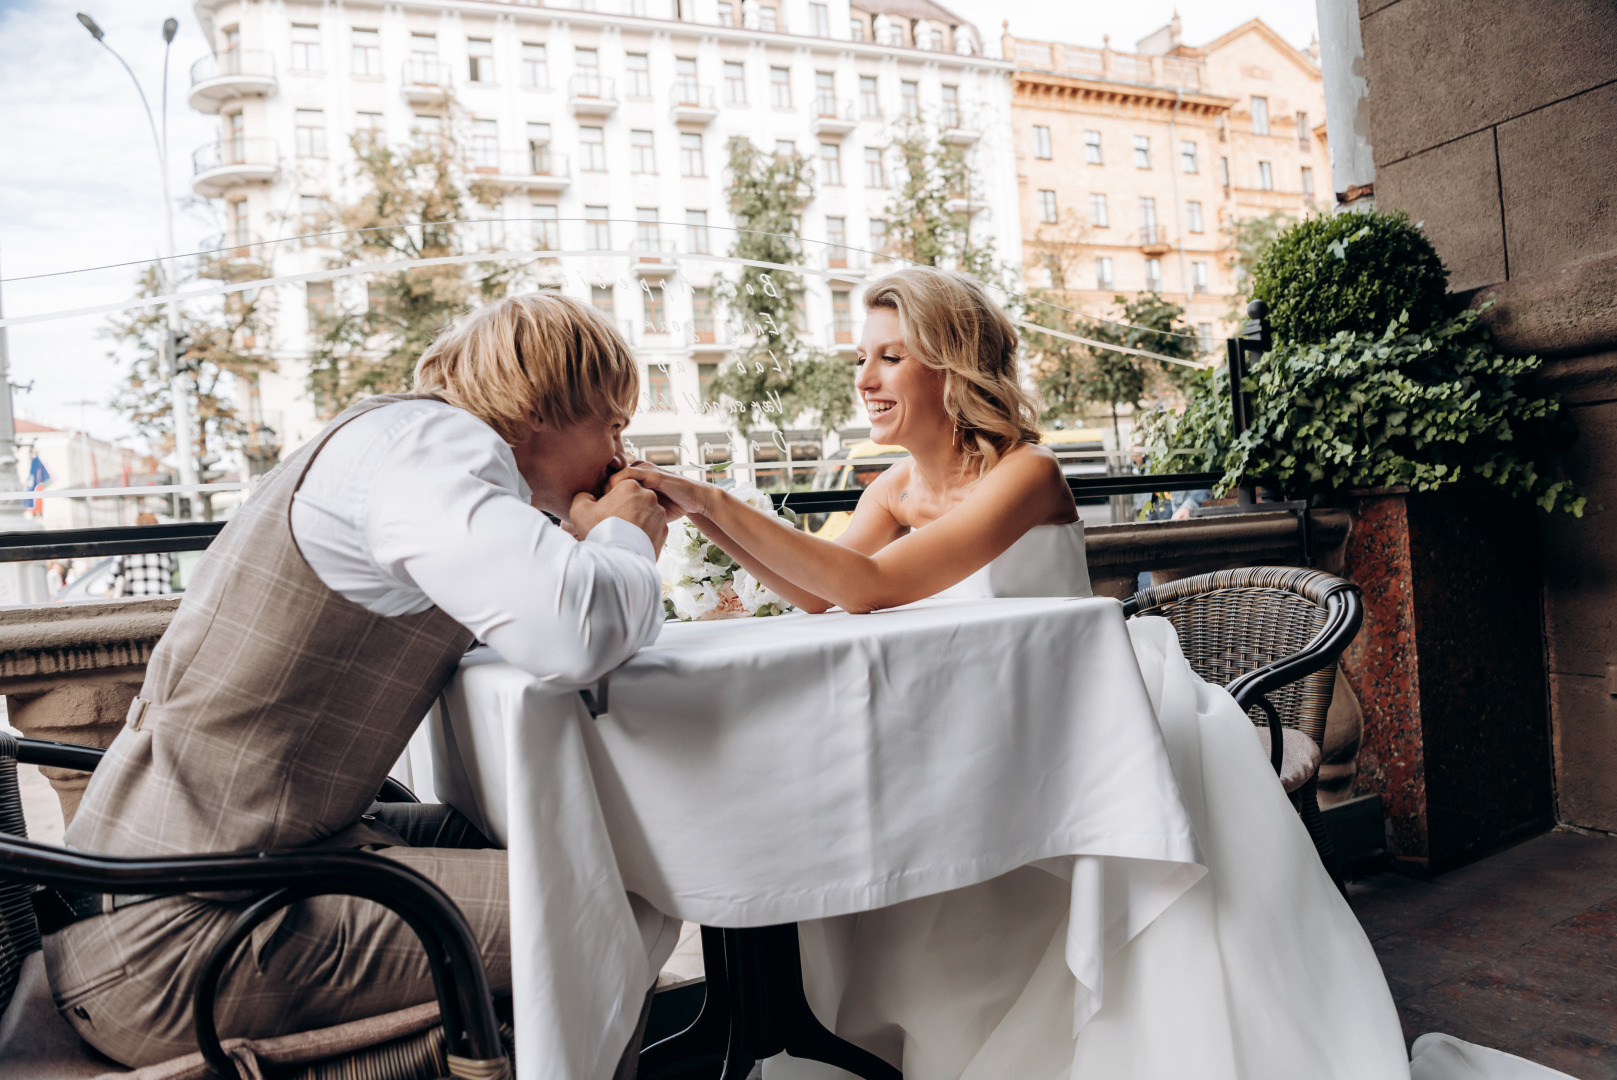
point(538, 356)
point(952, 325)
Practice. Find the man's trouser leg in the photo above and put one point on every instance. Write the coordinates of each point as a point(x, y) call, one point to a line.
point(125, 980)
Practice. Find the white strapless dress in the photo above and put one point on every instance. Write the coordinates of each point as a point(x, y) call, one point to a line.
point(1258, 971)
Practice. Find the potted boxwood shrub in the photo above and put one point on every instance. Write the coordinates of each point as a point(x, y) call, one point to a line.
point(1380, 395)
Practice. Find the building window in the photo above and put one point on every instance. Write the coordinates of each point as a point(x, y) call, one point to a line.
point(696, 240)
point(638, 67)
point(780, 88)
point(836, 240)
point(592, 147)
point(727, 13)
point(1302, 131)
point(1047, 206)
point(320, 301)
point(659, 392)
point(702, 321)
point(768, 17)
point(479, 60)
point(1308, 181)
point(597, 230)
point(1266, 176)
point(427, 131)
point(841, 317)
point(642, 152)
point(1092, 148)
point(1153, 275)
point(546, 229)
point(1260, 116)
point(1193, 216)
point(539, 149)
point(647, 230)
point(366, 57)
point(735, 83)
point(235, 139)
point(306, 48)
point(535, 67)
point(1204, 337)
point(1187, 156)
point(869, 101)
point(1198, 277)
point(311, 133)
point(875, 172)
point(1097, 210)
point(825, 94)
point(687, 91)
point(1142, 151)
point(951, 106)
point(587, 63)
point(1224, 171)
point(368, 131)
point(1149, 233)
point(910, 91)
point(423, 62)
point(1103, 272)
point(690, 154)
point(785, 148)
point(601, 298)
point(656, 316)
point(856, 29)
point(239, 230)
point(486, 145)
point(820, 20)
point(831, 164)
point(489, 234)
point(1041, 142)
point(878, 235)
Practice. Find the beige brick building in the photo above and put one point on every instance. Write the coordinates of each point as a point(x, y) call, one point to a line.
point(1131, 165)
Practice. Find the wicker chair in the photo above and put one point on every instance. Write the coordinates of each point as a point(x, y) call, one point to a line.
point(1271, 636)
point(477, 1048)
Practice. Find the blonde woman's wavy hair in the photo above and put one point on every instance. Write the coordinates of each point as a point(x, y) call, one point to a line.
point(538, 356)
point(952, 325)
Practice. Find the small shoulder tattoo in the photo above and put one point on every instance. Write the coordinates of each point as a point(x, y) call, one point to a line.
point(902, 495)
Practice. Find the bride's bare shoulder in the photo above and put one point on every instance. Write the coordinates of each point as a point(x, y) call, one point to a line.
point(1031, 468)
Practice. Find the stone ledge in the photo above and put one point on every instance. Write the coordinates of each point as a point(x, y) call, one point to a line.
point(75, 639)
point(1566, 312)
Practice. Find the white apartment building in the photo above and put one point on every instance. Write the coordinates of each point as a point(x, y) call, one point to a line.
point(610, 110)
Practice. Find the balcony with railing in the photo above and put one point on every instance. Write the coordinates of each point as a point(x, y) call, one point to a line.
point(425, 80)
point(537, 168)
point(654, 258)
point(845, 261)
point(960, 126)
point(693, 103)
point(1154, 240)
point(833, 116)
point(234, 73)
point(588, 94)
point(218, 167)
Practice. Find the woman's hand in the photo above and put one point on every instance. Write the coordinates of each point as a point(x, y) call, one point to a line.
point(684, 495)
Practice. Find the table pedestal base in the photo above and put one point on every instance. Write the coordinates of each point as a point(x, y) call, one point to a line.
point(755, 1009)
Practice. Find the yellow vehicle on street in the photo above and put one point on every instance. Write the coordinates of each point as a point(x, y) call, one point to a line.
point(857, 464)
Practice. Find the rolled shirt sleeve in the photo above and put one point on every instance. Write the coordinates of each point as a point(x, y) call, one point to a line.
point(448, 514)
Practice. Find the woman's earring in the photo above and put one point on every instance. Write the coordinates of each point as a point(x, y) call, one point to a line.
point(957, 437)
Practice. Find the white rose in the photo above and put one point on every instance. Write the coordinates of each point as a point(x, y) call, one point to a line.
point(758, 500)
point(692, 600)
point(753, 593)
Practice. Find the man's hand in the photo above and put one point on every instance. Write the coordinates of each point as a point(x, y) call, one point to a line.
point(629, 475)
point(684, 495)
point(625, 499)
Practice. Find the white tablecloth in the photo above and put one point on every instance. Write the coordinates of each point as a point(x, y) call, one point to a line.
point(760, 771)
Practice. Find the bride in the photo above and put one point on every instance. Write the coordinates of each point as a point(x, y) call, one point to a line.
point(1260, 970)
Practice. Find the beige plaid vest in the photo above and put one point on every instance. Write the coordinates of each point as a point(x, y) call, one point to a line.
point(272, 706)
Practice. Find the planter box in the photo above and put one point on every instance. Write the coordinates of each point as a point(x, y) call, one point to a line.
point(1449, 669)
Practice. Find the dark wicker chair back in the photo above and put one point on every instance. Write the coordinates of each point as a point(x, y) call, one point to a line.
point(1234, 622)
point(19, 933)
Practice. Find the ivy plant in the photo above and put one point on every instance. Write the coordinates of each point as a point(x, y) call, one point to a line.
point(1410, 406)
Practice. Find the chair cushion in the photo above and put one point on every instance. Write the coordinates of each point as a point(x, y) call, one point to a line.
point(1299, 756)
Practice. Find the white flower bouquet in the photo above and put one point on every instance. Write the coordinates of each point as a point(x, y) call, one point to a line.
point(701, 582)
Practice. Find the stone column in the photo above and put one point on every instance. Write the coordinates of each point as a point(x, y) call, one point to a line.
point(1347, 119)
point(69, 672)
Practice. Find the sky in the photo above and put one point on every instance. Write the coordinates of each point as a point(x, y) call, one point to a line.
point(80, 184)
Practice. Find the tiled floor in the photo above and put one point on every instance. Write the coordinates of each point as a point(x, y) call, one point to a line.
point(1516, 952)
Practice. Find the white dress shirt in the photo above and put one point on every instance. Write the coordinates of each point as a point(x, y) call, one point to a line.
point(419, 504)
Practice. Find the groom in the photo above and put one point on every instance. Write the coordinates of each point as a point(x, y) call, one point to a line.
point(318, 630)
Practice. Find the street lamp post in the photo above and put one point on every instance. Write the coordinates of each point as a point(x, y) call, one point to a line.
point(184, 438)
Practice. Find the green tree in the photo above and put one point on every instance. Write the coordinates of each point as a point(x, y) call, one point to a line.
point(412, 198)
point(225, 347)
point(929, 218)
point(1249, 238)
point(775, 376)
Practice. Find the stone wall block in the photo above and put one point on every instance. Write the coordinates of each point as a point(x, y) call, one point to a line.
point(1547, 160)
point(1585, 750)
point(1568, 311)
point(1451, 189)
point(88, 710)
point(1440, 69)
